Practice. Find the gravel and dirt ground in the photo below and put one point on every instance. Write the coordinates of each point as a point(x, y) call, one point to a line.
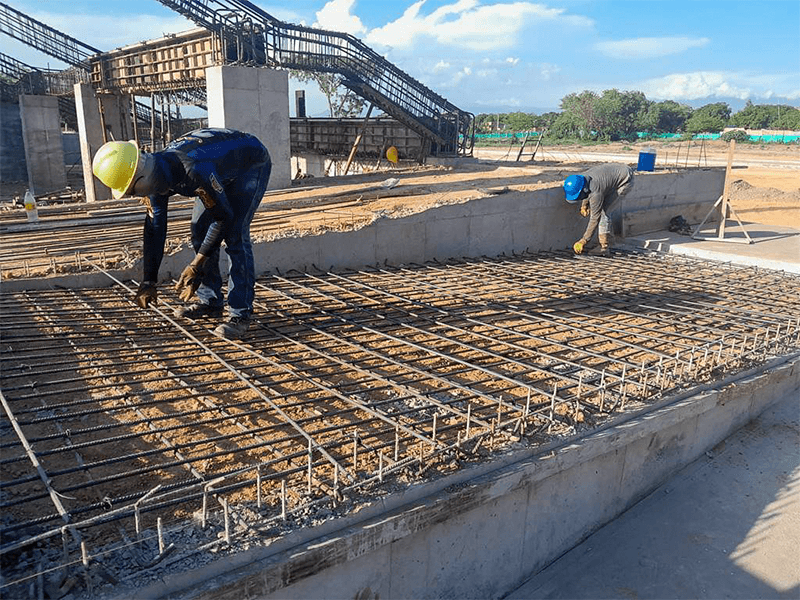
point(765, 188)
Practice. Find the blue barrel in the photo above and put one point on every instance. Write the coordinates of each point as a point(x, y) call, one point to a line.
point(647, 160)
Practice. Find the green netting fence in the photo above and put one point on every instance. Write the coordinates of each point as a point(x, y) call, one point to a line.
point(768, 139)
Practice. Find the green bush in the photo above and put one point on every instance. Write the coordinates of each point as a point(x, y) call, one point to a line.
point(737, 135)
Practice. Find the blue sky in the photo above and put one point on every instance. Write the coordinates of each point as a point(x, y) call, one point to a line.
point(512, 55)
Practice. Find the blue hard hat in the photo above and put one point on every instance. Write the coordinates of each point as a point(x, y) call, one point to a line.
point(573, 186)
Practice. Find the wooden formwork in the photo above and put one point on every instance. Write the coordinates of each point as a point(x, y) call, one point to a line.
point(171, 62)
point(336, 137)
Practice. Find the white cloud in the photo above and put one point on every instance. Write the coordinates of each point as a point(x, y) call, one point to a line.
point(700, 84)
point(547, 70)
point(469, 24)
point(512, 61)
point(649, 47)
point(336, 16)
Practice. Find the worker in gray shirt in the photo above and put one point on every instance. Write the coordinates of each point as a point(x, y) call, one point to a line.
point(598, 188)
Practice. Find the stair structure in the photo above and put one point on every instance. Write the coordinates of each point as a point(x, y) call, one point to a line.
point(249, 35)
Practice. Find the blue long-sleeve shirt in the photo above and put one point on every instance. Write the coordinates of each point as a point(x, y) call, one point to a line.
point(201, 163)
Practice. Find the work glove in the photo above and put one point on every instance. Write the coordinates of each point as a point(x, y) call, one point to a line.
point(585, 210)
point(578, 246)
point(146, 294)
point(190, 279)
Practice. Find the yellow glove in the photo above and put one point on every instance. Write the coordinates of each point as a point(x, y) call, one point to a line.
point(585, 210)
point(578, 247)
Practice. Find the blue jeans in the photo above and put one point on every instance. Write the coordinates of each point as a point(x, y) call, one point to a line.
point(244, 195)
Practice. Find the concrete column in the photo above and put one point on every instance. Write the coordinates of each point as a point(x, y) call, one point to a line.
point(41, 135)
point(90, 130)
point(254, 100)
point(117, 116)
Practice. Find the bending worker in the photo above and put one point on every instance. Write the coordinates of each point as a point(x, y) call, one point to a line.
point(228, 171)
point(599, 188)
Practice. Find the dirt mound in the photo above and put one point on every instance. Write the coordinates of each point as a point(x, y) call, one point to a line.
point(765, 205)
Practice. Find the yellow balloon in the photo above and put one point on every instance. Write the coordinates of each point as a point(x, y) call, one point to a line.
point(391, 155)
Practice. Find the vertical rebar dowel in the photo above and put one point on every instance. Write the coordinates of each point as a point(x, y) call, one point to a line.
point(380, 466)
point(433, 430)
point(396, 443)
point(137, 520)
point(227, 517)
point(499, 410)
point(469, 418)
point(552, 407)
point(624, 388)
point(85, 561)
point(65, 549)
point(283, 499)
point(204, 515)
point(580, 384)
point(603, 389)
point(258, 486)
point(355, 451)
point(528, 403)
point(160, 529)
point(310, 464)
point(40, 582)
point(335, 484)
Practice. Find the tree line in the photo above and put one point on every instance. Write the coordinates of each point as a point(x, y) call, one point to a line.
point(615, 115)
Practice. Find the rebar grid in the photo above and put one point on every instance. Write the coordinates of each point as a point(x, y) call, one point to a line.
point(121, 424)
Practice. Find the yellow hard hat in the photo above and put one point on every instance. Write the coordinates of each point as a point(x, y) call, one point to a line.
point(115, 165)
point(391, 154)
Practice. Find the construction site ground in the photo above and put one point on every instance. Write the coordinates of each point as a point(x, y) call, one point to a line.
point(415, 361)
point(764, 189)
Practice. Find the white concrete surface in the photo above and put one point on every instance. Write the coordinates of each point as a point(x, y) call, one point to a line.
point(726, 526)
point(44, 152)
point(773, 247)
point(254, 100)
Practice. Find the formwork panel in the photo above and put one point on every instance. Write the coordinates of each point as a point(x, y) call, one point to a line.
point(133, 441)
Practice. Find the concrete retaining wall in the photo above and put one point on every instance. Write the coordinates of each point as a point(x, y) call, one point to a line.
point(483, 531)
point(503, 224)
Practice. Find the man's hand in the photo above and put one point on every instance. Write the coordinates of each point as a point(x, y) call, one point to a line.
point(578, 246)
point(585, 210)
point(190, 279)
point(146, 294)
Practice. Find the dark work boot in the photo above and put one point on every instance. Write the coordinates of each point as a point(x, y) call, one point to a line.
point(233, 328)
point(198, 310)
point(605, 247)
